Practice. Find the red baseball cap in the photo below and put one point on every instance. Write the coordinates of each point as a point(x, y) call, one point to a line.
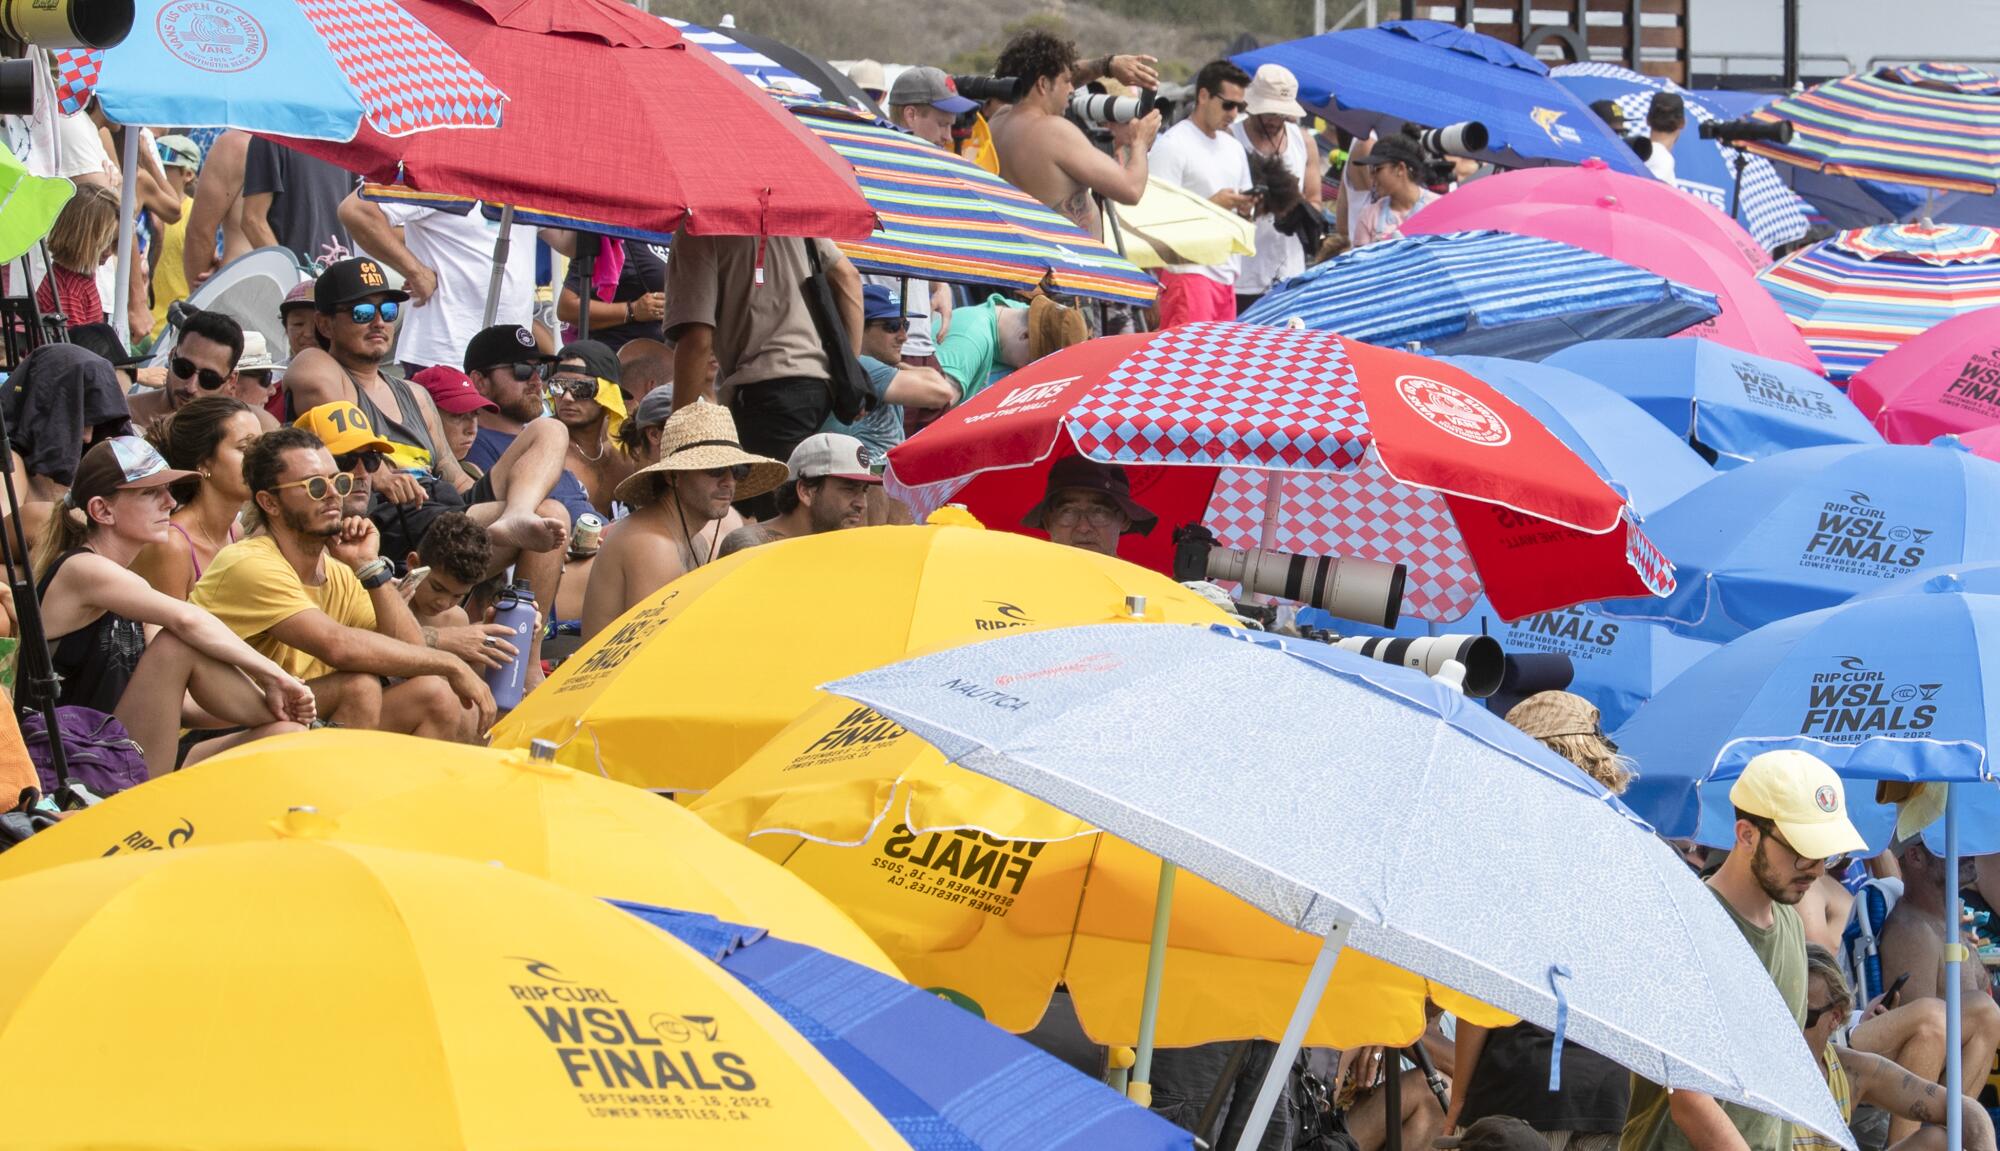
point(452, 390)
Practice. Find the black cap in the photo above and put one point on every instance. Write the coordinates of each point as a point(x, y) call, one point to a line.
point(1495, 1133)
point(346, 281)
point(598, 360)
point(103, 339)
point(502, 344)
point(1393, 150)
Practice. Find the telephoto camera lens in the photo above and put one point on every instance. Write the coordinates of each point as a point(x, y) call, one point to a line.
point(1367, 591)
point(1485, 662)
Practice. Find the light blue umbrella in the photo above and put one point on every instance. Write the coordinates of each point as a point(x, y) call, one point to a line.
point(1481, 293)
point(1808, 529)
point(942, 1076)
point(1893, 687)
point(1974, 579)
point(1650, 465)
point(1367, 804)
point(1733, 406)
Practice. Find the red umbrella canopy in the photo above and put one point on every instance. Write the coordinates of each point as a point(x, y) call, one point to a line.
point(1304, 442)
point(614, 118)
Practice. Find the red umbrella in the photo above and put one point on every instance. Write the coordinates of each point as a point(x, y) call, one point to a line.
point(1375, 454)
point(1644, 223)
point(613, 117)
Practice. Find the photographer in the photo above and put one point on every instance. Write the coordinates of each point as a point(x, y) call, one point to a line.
point(1399, 166)
point(1270, 130)
point(1050, 158)
point(1201, 155)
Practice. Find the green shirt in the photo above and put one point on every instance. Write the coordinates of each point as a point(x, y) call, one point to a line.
point(970, 350)
point(1782, 947)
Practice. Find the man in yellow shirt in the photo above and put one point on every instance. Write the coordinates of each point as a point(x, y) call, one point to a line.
point(312, 594)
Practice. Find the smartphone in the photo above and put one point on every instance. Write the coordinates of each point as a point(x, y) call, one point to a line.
point(412, 579)
point(1895, 990)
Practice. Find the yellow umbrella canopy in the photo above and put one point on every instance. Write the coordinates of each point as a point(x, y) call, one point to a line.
point(591, 834)
point(313, 994)
point(1171, 225)
point(992, 898)
point(681, 689)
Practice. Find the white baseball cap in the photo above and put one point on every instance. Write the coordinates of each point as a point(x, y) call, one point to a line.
point(832, 454)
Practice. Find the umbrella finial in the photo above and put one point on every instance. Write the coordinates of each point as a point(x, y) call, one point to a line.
point(1135, 606)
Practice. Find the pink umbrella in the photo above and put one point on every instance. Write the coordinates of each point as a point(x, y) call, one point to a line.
point(1644, 223)
point(1942, 381)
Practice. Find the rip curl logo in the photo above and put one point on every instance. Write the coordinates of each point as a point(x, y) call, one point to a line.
point(1826, 800)
point(211, 35)
point(1454, 411)
point(1857, 702)
point(541, 970)
point(1767, 390)
point(1008, 617)
point(145, 841)
point(1852, 536)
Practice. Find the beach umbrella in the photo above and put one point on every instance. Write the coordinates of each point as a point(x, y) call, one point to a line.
point(1984, 443)
point(661, 698)
point(29, 206)
point(694, 143)
point(580, 830)
point(1946, 76)
point(1810, 528)
point(1436, 74)
point(1304, 444)
point(1972, 578)
point(312, 993)
point(1704, 169)
point(1639, 222)
point(1481, 293)
point(833, 84)
point(1861, 293)
point(1732, 406)
point(1881, 128)
point(1938, 382)
point(993, 900)
point(1171, 225)
point(762, 70)
point(1138, 731)
point(938, 1074)
point(1647, 464)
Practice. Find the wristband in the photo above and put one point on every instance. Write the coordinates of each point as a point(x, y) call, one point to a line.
point(628, 310)
point(374, 573)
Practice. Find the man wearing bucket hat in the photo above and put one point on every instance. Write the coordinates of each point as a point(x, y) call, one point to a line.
point(1270, 128)
point(1791, 818)
point(1089, 505)
point(702, 469)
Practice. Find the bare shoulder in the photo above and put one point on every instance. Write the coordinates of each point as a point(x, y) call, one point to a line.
point(313, 378)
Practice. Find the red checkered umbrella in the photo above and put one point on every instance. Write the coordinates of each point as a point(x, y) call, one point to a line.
point(1306, 443)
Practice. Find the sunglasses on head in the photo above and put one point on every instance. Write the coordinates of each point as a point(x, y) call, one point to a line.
point(317, 487)
point(575, 387)
point(737, 472)
point(371, 462)
point(208, 378)
point(366, 313)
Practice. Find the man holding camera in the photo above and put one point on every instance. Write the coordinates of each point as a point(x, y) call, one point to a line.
point(1050, 158)
point(1203, 156)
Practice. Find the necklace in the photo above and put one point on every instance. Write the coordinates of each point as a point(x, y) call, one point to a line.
point(602, 447)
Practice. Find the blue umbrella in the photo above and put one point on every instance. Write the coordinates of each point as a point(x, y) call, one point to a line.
point(1705, 169)
point(1481, 293)
point(943, 1077)
point(1431, 73)
point(1733, 406)
point(1974, 579)
point(1314, 806)
point(1808, 529)
point(1650, 465)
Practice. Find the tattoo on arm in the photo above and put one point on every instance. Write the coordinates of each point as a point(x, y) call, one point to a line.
point(1927, 1106)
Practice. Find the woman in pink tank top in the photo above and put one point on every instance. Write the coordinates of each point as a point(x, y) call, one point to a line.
point(208, 437)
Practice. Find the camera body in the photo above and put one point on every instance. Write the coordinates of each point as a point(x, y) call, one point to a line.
point(984, 88)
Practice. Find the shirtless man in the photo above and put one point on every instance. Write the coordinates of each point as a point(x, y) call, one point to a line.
point(583, 388)
point(1913, 941)
point(701, 471)
point(218, 205)
point(1050, 158)
point(827, 482)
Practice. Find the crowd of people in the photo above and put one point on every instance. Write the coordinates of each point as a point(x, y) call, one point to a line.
point(247, 540)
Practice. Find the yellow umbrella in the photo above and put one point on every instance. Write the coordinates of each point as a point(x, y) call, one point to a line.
point(993, 898)
point(585, 832)
point(314, 994)
point(1171, 225)
point(685, 686)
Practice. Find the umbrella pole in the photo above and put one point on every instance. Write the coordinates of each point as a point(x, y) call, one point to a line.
point(128, 202)
point(499, 275)
point(1295, 1036)
point(1954, 954)
point(1140, 1089)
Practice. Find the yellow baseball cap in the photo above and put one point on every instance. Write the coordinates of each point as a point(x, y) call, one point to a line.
point(1799, 793)
point(343, 428)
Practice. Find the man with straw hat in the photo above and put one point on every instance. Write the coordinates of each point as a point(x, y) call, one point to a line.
point(702, 469)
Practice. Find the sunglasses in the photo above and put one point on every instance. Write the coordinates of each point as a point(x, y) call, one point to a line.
point(317, 487)
point(371, 462)
point(737, 472)
point(1236, 105)
point(366, 313)
point(575, 387)
point(522, 371)
point(1813, 1014)
point(208, 378)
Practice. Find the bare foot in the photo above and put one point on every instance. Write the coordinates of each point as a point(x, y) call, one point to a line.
point(527, 532)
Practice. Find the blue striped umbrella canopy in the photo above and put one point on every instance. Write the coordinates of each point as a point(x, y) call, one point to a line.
point(1880, 128)
point(1957, 77)
point(1482, 294)
point(1864, 292)
point(762, 70)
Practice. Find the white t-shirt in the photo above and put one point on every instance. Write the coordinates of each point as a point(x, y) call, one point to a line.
point(460, 250)
point(1278, 257)
point(1203, 164)
point(1661, 163)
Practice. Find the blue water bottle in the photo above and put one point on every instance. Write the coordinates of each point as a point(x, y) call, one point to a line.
point(513, 609)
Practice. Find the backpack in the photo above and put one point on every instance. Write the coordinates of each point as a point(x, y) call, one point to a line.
point(97, 750)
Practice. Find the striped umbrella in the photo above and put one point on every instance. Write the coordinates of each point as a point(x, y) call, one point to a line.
point(1862, 293)
point(1879, 128)
point(762, 70)
point(1956, 77)
point(1482, 294)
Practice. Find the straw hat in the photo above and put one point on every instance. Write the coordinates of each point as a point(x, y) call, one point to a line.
point(696, 438)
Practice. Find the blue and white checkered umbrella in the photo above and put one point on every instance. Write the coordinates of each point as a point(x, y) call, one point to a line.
point(1481, 294)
